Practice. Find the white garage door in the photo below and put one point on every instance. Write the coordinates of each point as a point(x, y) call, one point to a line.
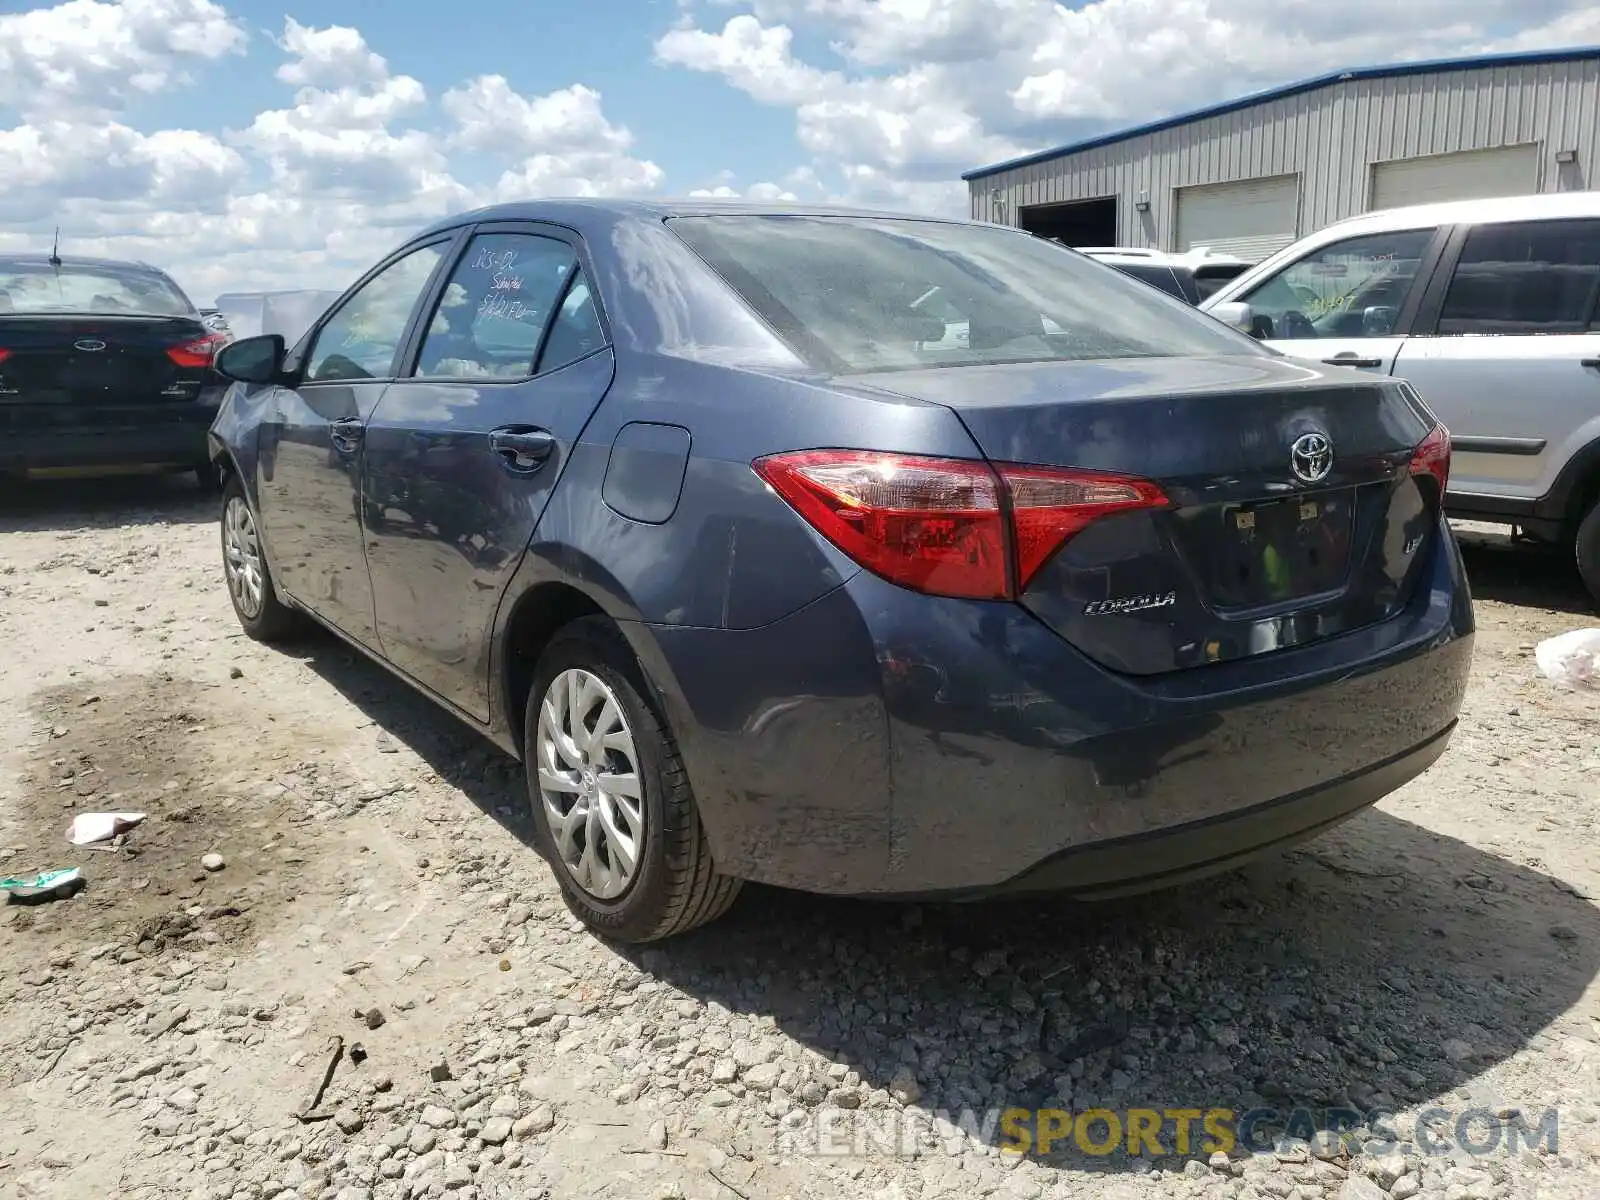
point(1251, 218)
point(1470, 175)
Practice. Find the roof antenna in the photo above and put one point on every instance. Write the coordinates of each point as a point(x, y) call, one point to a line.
point(55, 249)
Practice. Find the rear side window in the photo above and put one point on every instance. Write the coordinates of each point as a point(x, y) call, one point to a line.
point(493, 312)
point(575, 333)
point(1208, 280)
point(100, 289)
point(1164, 278)
point(883, 294)
point(1525, 277)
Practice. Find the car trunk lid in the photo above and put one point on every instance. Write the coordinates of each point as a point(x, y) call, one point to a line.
point(66, 361)
point(1293, 512)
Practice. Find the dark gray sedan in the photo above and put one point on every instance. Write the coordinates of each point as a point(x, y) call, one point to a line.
point(864, 554)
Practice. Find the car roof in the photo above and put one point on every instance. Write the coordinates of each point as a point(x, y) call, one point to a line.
point(1155, 258)
point(1200, 256)
point(1545, 206)
point(1123, 251)
point(579, 211)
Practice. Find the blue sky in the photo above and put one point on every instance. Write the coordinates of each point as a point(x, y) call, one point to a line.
point(245, 143)
point(697, 121)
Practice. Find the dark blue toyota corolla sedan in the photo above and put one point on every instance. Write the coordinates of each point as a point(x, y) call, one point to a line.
point(863, 554)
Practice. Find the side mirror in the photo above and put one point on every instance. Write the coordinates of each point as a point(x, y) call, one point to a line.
point(253, 359)
point(1234, 313)
point(1378, 320)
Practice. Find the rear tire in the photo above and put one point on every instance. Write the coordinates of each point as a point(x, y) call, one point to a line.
point(1587, 544)
point(255, 602)
point(633, 868)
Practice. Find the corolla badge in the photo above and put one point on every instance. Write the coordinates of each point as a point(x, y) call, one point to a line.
point(1130, 604)
point(1311, 457)
point(89, 345)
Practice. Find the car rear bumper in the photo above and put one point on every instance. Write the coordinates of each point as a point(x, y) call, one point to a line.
point(161, 434)
point(879, 742)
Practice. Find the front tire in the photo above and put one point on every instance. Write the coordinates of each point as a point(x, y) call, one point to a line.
point(613, 809)
point(1587, 544)
point(255, 602)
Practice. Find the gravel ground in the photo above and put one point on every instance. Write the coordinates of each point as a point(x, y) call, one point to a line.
point(373, 897)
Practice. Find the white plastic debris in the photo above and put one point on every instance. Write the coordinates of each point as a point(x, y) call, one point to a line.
point(88, 828)
point(46, 885)
point(1571, 658)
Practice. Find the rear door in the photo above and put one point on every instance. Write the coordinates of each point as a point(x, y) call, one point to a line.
point(463, 451)
point(1507, 353)
point(1350, 302)
point(311, 441)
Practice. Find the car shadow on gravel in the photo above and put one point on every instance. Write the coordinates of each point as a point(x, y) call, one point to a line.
point(463, 758)
point(1373, 969)
point(1376, 968)
point(1529, 576)
point(75, 505)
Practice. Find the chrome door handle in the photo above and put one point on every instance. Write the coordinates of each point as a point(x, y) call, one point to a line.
point(1352, 360)
point(522, 449)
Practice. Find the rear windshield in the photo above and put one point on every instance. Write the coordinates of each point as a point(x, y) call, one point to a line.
point(874, 294)
point(99, 289)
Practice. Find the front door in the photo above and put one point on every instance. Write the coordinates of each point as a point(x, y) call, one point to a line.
point(311, 444)
point(1513, 365)
point(1342, 304)
point(464, 449)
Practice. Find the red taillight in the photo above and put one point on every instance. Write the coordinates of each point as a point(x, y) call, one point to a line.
point(1432, 457)
point(198, 353)
point(4, 354)
point(946, 526)
point(1048, 506)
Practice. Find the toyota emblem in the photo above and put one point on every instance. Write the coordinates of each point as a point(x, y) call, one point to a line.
point(1311, 457)
point(89, 345)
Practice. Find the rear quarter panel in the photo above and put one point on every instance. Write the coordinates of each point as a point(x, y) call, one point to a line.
point(732, 555)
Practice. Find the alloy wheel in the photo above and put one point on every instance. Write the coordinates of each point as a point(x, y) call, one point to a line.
point(242, 558)
point(589, 783)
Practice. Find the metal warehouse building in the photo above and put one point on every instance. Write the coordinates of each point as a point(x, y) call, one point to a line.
point(1249, 176)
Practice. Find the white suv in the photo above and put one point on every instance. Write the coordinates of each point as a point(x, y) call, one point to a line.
point(1488, 308)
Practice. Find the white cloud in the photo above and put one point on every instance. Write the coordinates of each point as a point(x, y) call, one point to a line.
point(304, 195)
point(57, 160)
point(86, 55)
point(894, 98)
point(334, 57)
point(890, 100)
point(760, 193)
point(560, 143)
point(490, 115)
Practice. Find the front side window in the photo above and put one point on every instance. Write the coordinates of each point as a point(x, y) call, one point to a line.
point(876, 294)
point(1349, 289)
point(495, 307)
point(360, 340)
point(98, 290)
point(1525, 277)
